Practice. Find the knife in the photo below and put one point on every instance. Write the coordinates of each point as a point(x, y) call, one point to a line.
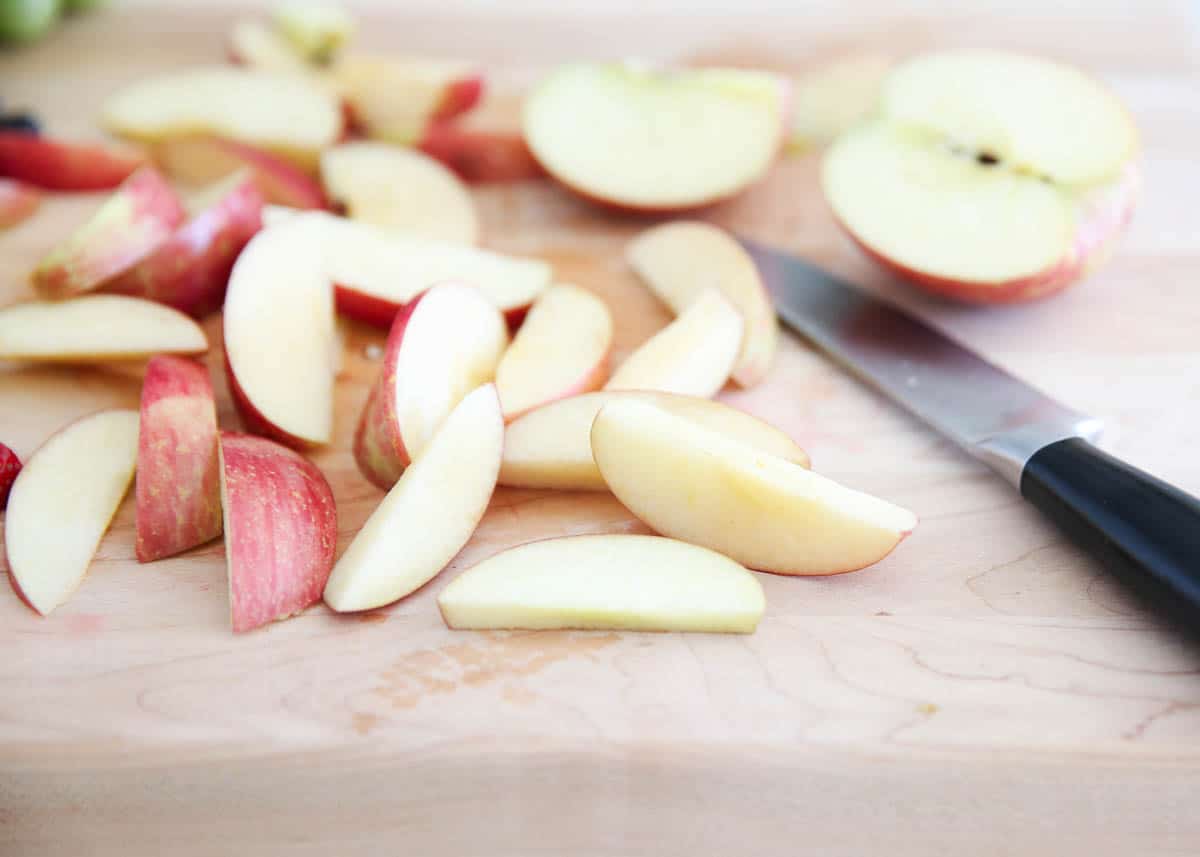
point(1146, 531)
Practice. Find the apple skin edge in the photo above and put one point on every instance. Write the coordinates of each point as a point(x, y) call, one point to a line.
point(18, 201)
point(381, 312)
point(56, 165)
point(592, 380)
point(460, 96)
point(10, 466)
point(481, 157)
point(378, 445)
point(254, 421)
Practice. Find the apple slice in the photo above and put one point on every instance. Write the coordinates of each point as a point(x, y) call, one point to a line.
point(178, 489)
point(693, 355)
point(96, 328)
point(281, 348)
point(550, 446)
point(190, 271)
point(831, 99)
point(447, 343)
point(10, 466)
point(315, 31)
point(690, 483)
point(131, 224)
point(280, 530)
point(605, 582)
point(678, 261)
point(656, 139)
point(402, 189)
point(560, 350)
point(202, 160)
point(283, 113)
point(62, 502)
point(975, 182)
point(253, 43)
point(18, 201)
point(58, 165)
point(429, 514)
point(481, 156)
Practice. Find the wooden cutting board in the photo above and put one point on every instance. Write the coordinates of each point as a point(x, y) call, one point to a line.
point(984, 688)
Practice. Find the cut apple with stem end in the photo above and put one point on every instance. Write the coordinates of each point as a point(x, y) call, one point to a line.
point(693, 355)
point(976, 183)
point(690, 483)
point(679, 261)
point(10, 466)
point(481, 157)
point(280, 530)
point(18, 201)
point(550, 447)
point(130, 225)
point(831, 99)
point(59, 165)
point(654, 139)
point(178, 489)
point(560, 350)
point(96, 328)
point(62, 502)
point(202, 160)
point(447, 343)
point(429, 514)
point(398, 188)
point(605, 582)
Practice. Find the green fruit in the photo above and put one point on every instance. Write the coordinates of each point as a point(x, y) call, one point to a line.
point(26, 20)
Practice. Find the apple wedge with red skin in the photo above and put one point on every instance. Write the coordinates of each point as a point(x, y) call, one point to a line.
point(445, 344)
point(280, 530)
point(178, 489)
point(58, 165)
point(18, 201)
point(10, 466)
point(130, 225)
point(202, 160)
point(479, 156)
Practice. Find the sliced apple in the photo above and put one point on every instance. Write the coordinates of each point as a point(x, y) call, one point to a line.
point(402, 189)
point(280, 530)
point(481, 156)
point(690, 483)
point(975, 183)
point(281, 348)
point(655, 139)
point(202, 160)
point(678, 261)
point(831, 99)
point(316, 31)
point(130, 225)
point(550, 446)
point(18, 201)
point(283, 113)
point(191, 269)
point(255, 44)
point(96, 328)
point(10, 466)
point(62, 502)
point(429, 514)
point(560, 350)
point(693, 355)
point(60, 165)
point(447, 343)
point(605, 582)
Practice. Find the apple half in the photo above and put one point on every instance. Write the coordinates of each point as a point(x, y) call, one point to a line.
point(605, 582)
point(561, 349)
point(446, 343)
point(10, 466)
point(693, 355)
point(678, 261)
point(770, 514)
point(429, 514)
point(18, 201)
point(646, 138)
point(202, 160)
point(988, 177)
point(550, 446)
point(62, 503)
point(59, 165)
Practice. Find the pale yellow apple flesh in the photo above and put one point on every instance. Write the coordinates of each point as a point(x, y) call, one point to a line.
point(691, 483)
point(314, 30)
point(259, 46)
point(693, 355)
point(830, 100)
point(679, 261)
point(605, 582)
point(429, 514)
point(62, 502)
point(560, 350)
point(550, 446)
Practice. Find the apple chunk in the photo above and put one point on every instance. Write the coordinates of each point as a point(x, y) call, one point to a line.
point(550, 446)
point(202, 160)
point(560, 350)
point(678, 261)
point(280, 530)
point(59, 165)
point(178, 489)
point(255, 44)
point(447, 343)
point(429, 514)
point(95, 328)
point(10, 466)
point(975, 183)
point(18, 201)
point(316, 31)
point(605, 582)
point(62, 502)
point(693, 355)
point(690, 483)
point(656, 139)
point(481, 156)
point(829, 100)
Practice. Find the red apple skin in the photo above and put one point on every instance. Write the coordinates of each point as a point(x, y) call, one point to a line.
point(10, 466)
point(205, 159)
point(17, 202)
point(481, 157)
point(191, 270)
point(282, 530)
point(57, 165)
point(252, 418)
point(178, 491)
point(381, 312)
point(460, 96)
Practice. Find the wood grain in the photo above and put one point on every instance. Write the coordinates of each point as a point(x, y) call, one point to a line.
point(984, 688)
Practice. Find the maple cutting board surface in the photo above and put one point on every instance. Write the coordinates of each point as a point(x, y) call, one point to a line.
point(985, 687)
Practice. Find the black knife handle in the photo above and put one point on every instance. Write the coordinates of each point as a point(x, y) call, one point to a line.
point(1146, 531)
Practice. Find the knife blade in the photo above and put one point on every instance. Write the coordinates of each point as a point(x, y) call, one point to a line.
point(1145, 530)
